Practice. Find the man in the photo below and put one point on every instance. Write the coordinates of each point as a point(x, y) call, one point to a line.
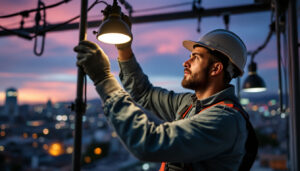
point(198, 131)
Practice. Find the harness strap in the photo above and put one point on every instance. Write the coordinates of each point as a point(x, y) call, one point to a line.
point(251, 142)
point(162, 166)
point(186, 112)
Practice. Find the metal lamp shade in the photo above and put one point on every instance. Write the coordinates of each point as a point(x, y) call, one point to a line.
point(114, 31)
point(254, 83)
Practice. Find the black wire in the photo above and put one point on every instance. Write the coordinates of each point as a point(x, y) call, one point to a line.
point(26, 12)
point(261, 47)
point(38, 18)
point(162, 7)
point(70, 20)
point(28, 37)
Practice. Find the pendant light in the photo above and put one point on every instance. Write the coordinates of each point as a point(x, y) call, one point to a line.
point(113, 30)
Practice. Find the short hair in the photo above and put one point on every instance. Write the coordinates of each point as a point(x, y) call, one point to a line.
point(220, 57)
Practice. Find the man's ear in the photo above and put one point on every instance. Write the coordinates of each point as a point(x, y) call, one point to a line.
point(216, 69)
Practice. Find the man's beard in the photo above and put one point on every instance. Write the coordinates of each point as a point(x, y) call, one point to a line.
point(195, 82)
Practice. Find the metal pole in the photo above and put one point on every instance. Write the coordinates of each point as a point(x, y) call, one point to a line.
point(294, 86)
point(79, 104)
point(212, 12)
point(278, 43)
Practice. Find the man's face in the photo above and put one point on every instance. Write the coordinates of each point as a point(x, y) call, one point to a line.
point(196, 69)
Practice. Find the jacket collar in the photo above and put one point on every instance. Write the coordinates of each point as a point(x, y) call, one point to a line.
point(226, 94)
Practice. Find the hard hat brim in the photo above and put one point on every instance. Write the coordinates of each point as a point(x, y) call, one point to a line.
point(189, 45)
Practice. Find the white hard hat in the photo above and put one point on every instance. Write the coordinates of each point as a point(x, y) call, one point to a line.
point(225, 42)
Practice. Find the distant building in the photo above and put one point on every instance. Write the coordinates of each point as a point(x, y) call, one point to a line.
point(11, 103)
point(49, 109)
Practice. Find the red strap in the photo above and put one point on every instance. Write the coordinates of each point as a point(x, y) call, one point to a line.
point(162, 166)
point(187, 111)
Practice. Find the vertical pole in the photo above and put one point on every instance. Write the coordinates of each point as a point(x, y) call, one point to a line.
point(278, 43)
point(294, 94)
point(79, 104)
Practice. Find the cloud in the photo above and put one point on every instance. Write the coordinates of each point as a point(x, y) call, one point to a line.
point(267, 65)
point(17, 75)
point(163, 40)
point(40, 92)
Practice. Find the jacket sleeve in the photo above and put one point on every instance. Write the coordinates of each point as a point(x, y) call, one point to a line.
point(160, 101)
point(200, 137)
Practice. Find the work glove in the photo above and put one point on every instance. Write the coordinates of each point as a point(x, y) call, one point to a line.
point(93, 61)
point(127, 20)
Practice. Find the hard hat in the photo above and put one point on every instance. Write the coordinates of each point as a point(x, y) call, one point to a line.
point(225, 42)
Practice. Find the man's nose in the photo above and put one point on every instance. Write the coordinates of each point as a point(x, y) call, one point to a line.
point(186, 63)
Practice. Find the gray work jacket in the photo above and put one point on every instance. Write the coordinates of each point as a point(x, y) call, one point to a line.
point(213, 139)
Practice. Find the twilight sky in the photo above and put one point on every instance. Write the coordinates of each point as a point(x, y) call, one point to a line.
point(157, 46)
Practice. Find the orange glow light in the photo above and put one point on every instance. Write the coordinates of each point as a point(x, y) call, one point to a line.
point(97, 151)
point(2, 133)
point(56, 149)
point(25, 135)
point(87, 159)
point(45, 147)
point(34, 136)
point(35, 144)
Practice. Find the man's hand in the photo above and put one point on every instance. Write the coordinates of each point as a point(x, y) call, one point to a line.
point(93, 60)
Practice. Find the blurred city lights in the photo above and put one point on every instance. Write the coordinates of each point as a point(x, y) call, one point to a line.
point(35, 144)
point(64, 117)
point(87, 159)
point(35, 123)
point(58, 117)
point(46, 131)
point(97, 151)
point(273, 112)
point(12, 94)
point(272, 102)
point(56, 149)
point(266, 113)
point(114, 134)
point(244, 101)
point(146, 166)
point(254, 108)
point(2, 148)
point(25, 135)
point(2, 133)
point(83, 118)
point(69, 150)
point(41, 139)
point(3, 126)
point(45, 147)
point(34, 136)
point(71, 117)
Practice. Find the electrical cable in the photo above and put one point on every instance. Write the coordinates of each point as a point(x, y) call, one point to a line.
point(278, 43)
point(162, 7)
point(261, 47)
point(20, 34)
point(26, 12)
point(37, 25)
point(70, 20)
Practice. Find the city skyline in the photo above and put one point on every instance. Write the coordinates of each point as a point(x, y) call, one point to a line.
point(156, 45)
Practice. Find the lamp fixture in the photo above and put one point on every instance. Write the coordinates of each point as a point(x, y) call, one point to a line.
point(253, 83)
point(113, 29)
